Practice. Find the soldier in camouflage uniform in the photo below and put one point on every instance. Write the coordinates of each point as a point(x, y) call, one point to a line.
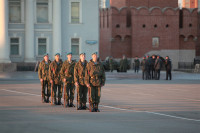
point(67, 73)
point(79, 79)
point(43, 73)
point(95, 79)
point(55, 78)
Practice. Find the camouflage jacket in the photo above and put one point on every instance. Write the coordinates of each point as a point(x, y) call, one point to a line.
point(79, 72)
point(43, 70)
point(54, 72)
point(95, 74)
point(67, 71)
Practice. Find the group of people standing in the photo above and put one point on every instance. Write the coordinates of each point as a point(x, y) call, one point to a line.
point(151, 67)
point(87, 77)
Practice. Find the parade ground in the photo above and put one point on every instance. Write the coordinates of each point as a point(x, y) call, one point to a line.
point(128, 105)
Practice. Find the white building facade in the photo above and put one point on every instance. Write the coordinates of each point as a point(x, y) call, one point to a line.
point(31, 28)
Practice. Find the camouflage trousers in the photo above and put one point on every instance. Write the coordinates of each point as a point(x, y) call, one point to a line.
point(70, 89)
point(57, 88)
point(45, 86)
point(82, 94)
point(95, 94)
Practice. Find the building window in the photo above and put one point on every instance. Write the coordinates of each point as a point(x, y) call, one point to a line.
point(42, 11)
point(75, 12)
point(190, 25)
point(14, 46)
point(143, 25)
point(155, 26)
point(167, 26)
point(117, 26)
point(75, 46)
point(155, 42)
point(42, 46)
point(14, 11)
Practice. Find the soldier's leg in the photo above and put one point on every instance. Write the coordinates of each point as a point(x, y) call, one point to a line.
point(59, 94)
point(61, 90)
point(97, 99)
point(54, 93)
point(67, 94)
point(48, 90)
point(93, 89)
point(72, 90)
point(84, 98)
point(142, 74)
point(43, 88)
point(79, 97)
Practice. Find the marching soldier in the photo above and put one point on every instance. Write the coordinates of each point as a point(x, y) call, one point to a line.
point(123, 64)
point(55, 78)
point(137, 64)
point(79, 79)
point(143, 67)
point(158, 66)
point(168, 66)
point(95, 79)
point(67, 73)
point(43, 73)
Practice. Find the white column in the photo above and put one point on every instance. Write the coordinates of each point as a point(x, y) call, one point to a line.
point(4, 45)
point(57, 27)
point(29, 33)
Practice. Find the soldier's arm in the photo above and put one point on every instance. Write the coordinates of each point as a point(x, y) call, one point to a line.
point(62, 71)
point(87, 75)
point(39, 71)
point(76, 73)
point(50, 72)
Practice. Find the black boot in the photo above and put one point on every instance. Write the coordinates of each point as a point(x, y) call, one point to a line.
point(93, 108)
point(59, 101)
point(47, 100)
point(55, 101)
point(84, 106)
point(79, 106)
point(71, 104)
point(96, 108)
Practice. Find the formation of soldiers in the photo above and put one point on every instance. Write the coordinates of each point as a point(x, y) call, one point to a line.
point(151, 67)
point(87, 78)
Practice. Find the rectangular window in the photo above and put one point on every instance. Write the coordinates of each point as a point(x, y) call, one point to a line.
point(155, 42)
point(14, 46)
point(42, 46)
point(75, 46)
point(42, 11)
point(14, 11)
point(75, 12)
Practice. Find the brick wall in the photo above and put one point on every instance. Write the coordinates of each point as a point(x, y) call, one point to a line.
point(147, 3)
point(146, 25)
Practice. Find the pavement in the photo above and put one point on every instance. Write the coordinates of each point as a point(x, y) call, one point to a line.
point(128, 104)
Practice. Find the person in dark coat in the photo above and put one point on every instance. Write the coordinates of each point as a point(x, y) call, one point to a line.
point(152, 67)
point(143, 67)
point(123, 64)
point(158, 66)
point(147, 67)
point(137, 64)
point(168, 66)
